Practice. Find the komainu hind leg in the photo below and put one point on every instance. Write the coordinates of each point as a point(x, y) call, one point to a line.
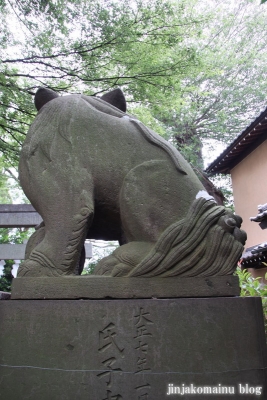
point(37, 238)
point(67, 210)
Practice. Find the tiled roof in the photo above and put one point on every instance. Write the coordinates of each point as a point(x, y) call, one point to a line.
point(255, 257)
point(244, 144)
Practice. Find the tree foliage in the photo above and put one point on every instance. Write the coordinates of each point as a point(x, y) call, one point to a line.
point(192, 70)
point(227, 89)
point(74, 46)
point(252, 287)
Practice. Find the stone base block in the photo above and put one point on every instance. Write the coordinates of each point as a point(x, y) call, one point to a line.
point(192, 348)
point(101, 287)
point(5, 296)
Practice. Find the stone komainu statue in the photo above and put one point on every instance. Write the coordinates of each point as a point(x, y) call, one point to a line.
point(92, 171)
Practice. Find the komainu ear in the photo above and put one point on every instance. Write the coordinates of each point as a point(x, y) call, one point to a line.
point(43, 96)
point(115, 98)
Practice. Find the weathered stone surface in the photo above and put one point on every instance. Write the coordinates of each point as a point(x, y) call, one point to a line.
point(98, 287)
point(5, 296)
point(12, 251)
point(18, 215)
point(91, 170)
point(130, 349)
point(17, 251)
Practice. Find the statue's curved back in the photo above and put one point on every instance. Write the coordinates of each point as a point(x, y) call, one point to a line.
point(91, 170)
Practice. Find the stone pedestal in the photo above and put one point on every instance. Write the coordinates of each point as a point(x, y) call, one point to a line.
point(132, 349)
point(5, 296)
point(105, 287)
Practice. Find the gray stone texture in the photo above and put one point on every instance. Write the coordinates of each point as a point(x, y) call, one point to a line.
point(17, 251)
point(101, 287)
point(129, 349)
point(12, 251)
point(18, 216)
point(90, 170)
point(5, 295)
